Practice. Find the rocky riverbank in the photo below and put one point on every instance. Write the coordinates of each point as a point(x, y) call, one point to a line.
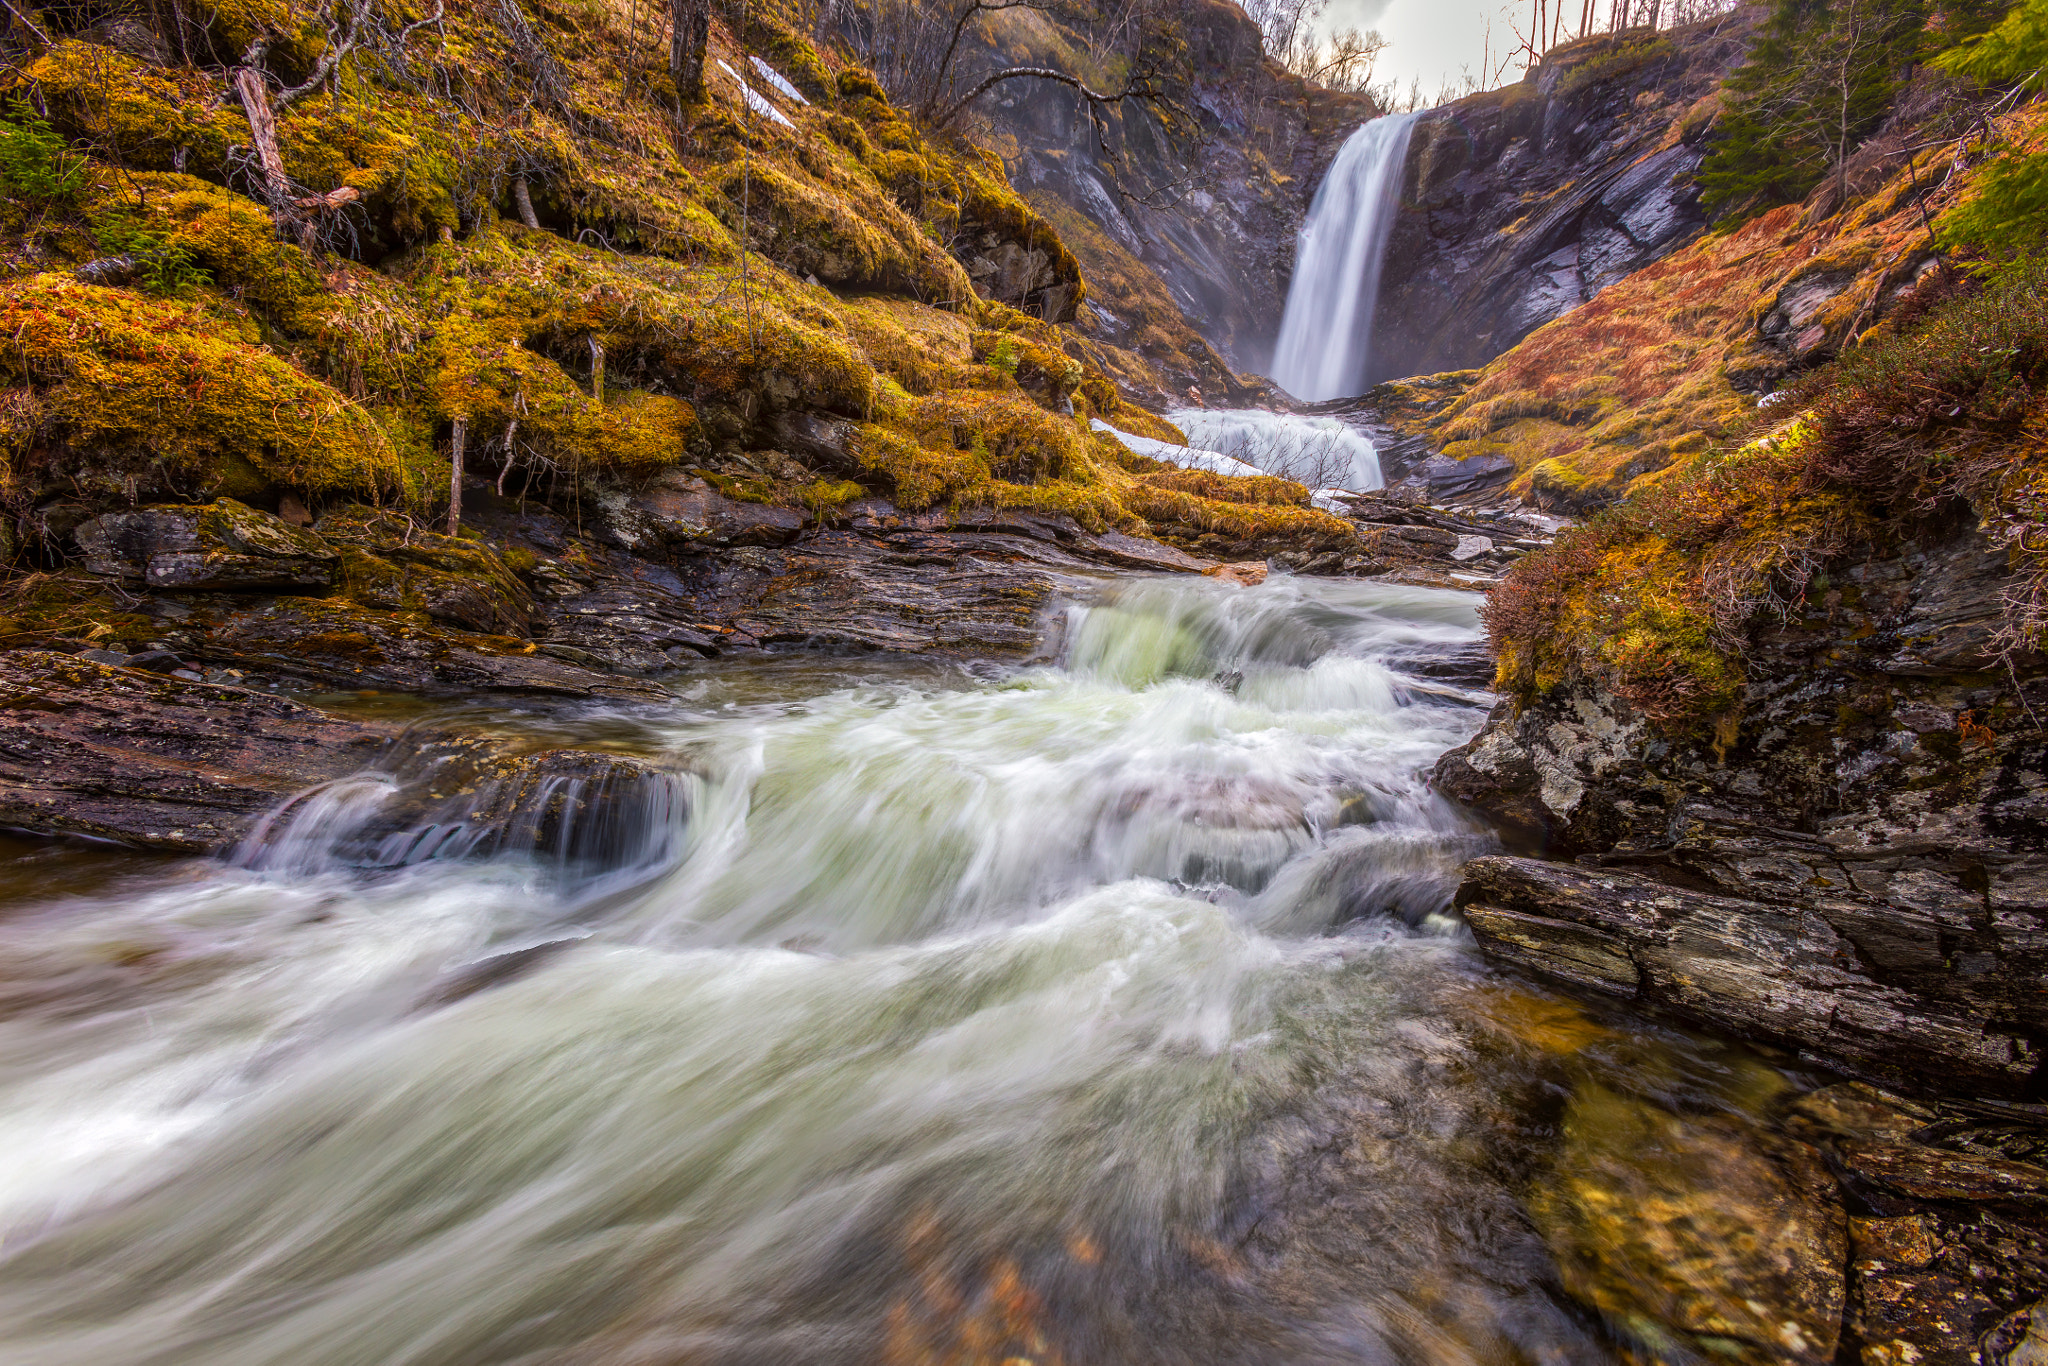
point(1797, 796)
point(1853, 866)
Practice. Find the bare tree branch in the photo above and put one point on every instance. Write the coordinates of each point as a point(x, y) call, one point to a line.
point(1095, 98)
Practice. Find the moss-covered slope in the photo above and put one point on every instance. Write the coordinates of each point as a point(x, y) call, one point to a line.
point(1666, 363)
point(499, 222)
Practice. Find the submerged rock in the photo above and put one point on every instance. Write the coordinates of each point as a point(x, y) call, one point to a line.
point(1696, 1234)
point(442, 796)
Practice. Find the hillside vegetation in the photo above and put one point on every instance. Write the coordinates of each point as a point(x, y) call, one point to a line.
point(1901, 336)
point(501, 225)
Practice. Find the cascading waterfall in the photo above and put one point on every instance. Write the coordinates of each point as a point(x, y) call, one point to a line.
point(1102, 1012)
point(1325, 347)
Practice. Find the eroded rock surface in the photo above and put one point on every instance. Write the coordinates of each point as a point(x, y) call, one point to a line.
point(222, 546)
point(1858, 868)
point(1525, 202)
point(157, 762)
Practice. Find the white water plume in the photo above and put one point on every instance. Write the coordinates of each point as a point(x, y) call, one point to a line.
point(1320, 452)
point(1325, 346)
point(972, 1018)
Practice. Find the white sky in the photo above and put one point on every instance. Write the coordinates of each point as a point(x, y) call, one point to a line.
point(1432, 39)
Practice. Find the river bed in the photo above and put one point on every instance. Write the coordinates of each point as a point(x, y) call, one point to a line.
point(1098, 1010)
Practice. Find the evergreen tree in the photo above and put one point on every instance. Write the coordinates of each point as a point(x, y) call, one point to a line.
point(2009, 215)
point(1819, 81)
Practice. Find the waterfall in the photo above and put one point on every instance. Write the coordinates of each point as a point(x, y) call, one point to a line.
point(1325, 348)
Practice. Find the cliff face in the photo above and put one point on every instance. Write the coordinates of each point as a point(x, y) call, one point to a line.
point(1665, 362)
point(1525, 202)
point(1857, 868)
point(1213, 218)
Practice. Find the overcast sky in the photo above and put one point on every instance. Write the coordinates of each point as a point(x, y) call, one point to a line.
point(1432, 39)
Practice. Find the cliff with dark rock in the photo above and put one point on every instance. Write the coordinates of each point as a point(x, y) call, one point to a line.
point(1200, 222)
point(1667, 361)
point(1856, 867)
point(1784, 712)
point(1522, 203)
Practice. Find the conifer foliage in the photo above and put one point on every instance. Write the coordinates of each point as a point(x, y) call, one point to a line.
point(2009, 218)
point(1819, 81)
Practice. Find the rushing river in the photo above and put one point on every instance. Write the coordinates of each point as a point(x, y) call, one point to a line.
point(1104, 1011)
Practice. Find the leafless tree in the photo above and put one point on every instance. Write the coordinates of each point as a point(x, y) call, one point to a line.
point(350, 25)
point(689, 38)
point(1346, 61)
point(926, 54)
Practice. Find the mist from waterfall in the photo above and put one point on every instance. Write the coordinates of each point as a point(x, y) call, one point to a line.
point(1325, 348)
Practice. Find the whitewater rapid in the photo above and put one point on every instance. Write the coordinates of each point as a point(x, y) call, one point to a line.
point(948, 1015)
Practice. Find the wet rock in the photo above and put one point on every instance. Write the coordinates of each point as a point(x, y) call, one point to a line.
point(469, 796)
point(2020, 1339)
point(390, 562)
point(680, 512)
point(1857, 867)
point(1448, 479)
point(639, 622)
point(1944, 1271)
point(1767, 971)
point(1696, 1233)
point(224, 547)
point(161, 763)
point(1249, 574)
point(339, 645)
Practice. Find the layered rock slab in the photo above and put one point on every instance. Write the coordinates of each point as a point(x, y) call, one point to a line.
point(1856, 866)
point(157, 762)
point(182, 766)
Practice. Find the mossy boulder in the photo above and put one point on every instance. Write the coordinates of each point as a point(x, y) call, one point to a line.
point(391, 563)
point(127, 392)
point(224, 547)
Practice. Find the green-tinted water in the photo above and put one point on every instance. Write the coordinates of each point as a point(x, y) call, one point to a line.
point(1094, 1013)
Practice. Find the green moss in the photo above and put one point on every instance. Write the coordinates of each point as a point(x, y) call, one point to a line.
point(625, 334)
point(109, 369)
point(148, 117)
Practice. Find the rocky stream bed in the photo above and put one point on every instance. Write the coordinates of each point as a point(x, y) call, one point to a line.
point(1688, 1199)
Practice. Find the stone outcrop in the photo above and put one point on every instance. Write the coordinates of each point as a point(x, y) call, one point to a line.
point(181, 765)
point(1214, 219)
point(153, 761)
point(1857, 868)
point(1524, 202)
point(224, 546)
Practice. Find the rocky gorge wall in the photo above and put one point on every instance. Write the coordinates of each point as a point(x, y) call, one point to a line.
point(1202, 223)
point(1522, 203)
point(1855, 867)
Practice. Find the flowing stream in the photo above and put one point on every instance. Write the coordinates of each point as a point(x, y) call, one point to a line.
point(1325, 346)
point(1100, 1011)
